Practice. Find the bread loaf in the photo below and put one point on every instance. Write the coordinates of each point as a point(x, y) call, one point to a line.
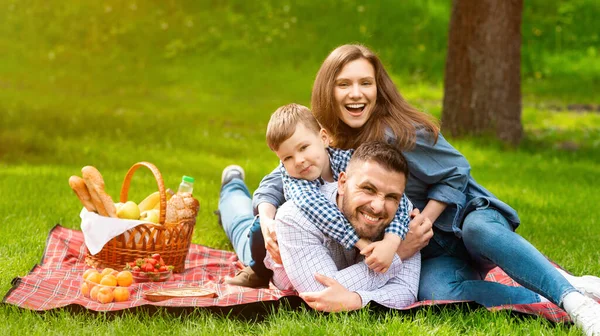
point(180, 207)
point(78, 185)
point(95, 184)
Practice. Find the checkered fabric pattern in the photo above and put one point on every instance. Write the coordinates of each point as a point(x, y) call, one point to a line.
point(54, 283)
point(325, 214)
point(305, 250)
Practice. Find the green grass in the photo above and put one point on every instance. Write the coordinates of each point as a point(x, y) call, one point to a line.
point(190, 85)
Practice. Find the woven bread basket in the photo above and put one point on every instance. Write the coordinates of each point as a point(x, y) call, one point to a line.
point(171, 240)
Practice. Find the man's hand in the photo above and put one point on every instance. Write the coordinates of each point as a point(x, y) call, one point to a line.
point(334, 298)
point(267, 226)
point(380, 254)
point(419, 233)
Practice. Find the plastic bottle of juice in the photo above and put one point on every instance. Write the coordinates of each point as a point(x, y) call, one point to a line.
point(186, 185)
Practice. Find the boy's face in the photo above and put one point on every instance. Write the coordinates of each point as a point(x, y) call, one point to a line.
point(304, 154)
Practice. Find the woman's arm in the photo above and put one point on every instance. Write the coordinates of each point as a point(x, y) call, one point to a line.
point(434, 209)
point(443, 169)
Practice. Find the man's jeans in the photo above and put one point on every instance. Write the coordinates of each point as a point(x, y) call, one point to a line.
point(242, 227)
point(454, 269)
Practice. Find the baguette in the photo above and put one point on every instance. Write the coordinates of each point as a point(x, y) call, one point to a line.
point(95, 184)
point(78, 185)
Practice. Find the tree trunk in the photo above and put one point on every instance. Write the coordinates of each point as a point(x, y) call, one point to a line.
point(482, 87)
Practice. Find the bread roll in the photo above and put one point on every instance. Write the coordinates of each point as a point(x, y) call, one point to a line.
point(181, 206)
point(95, 184)
point(78, 185)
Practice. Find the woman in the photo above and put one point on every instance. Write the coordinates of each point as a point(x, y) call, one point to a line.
point(355, 100)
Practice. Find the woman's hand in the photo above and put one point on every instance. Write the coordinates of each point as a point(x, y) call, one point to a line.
point(419, 233)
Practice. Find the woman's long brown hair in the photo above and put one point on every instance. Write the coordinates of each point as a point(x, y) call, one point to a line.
point(391, 109)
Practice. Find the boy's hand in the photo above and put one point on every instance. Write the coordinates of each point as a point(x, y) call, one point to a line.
point(268, 230)
point(381, 254)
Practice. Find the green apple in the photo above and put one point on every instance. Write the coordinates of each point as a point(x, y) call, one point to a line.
point(150, 216)
point(129, 210)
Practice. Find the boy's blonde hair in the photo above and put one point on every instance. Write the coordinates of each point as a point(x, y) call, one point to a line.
point(284, 120)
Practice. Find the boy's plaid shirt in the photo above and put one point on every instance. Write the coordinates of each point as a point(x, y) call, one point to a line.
point(325, 214)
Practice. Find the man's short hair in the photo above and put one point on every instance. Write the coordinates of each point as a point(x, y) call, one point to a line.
point(388, 156)
point(284, 120)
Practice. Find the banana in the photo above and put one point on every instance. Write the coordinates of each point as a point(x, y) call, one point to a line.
point(150, 201)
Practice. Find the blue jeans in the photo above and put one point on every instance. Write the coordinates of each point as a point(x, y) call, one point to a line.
point(242, 227)
point(455, 269)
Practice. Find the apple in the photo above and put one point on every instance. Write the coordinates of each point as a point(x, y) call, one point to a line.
point(150, 216)
point(129, 210)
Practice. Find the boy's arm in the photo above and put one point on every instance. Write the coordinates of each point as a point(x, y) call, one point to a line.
point(270, 190)
point(399, 225)
point(323, 213)
point(380, 254)
point(266, 212)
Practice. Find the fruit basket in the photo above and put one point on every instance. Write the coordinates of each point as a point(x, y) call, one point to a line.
point(171, 240)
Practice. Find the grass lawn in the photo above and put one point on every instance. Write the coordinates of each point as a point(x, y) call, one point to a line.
point(115, 83)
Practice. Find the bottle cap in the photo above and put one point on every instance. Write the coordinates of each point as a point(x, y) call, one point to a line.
point(187, 179)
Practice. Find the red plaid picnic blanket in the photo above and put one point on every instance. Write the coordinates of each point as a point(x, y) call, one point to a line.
point(56, 282)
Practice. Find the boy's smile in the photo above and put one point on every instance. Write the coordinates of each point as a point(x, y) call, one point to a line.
point(304, 154)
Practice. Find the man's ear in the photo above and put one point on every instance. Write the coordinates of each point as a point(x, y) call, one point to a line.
point(342, 179)
point(324, 137)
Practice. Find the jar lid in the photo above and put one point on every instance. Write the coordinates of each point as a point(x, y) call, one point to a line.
point(187, 179)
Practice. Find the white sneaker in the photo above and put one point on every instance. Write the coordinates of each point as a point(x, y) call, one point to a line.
point(588, 285)
point(587, 316)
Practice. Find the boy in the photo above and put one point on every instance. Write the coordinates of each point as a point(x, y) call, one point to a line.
point(306, 161)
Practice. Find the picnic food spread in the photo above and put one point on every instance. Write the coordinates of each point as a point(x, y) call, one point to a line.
point(95, 186)
point(106, 286)
point(115, 233)
point(150, 269)
point(90, 190)
point(169, 293)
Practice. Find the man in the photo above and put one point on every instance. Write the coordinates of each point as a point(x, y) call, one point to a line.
point(329, 277)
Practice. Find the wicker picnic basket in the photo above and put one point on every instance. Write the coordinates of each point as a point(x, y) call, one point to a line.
point(171, 240)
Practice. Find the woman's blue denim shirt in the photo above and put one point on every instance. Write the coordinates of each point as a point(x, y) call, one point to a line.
point(436, 171)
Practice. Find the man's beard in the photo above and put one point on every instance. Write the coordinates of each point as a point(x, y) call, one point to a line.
point(363, 230)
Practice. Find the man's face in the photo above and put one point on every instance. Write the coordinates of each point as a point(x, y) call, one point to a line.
point(304, 154)
point(370, 196)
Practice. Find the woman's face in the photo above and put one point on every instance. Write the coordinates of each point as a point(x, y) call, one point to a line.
point(355, 92)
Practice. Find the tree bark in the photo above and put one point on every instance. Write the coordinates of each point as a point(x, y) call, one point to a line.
point(482, 86)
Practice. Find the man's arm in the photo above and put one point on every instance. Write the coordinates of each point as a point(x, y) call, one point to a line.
point(399, 292)
point(304, 254)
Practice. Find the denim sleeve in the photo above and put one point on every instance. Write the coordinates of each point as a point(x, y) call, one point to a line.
point(440, 166)
point(399, 225)
point(323, 213)
point(270, 190)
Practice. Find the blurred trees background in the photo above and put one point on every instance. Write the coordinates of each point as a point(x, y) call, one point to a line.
point(74, 74)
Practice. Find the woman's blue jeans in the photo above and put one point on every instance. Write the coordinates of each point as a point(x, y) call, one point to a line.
point(242, 227)
point(454, 268)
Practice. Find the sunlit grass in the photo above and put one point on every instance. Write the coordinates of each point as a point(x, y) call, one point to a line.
point(190, 85)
